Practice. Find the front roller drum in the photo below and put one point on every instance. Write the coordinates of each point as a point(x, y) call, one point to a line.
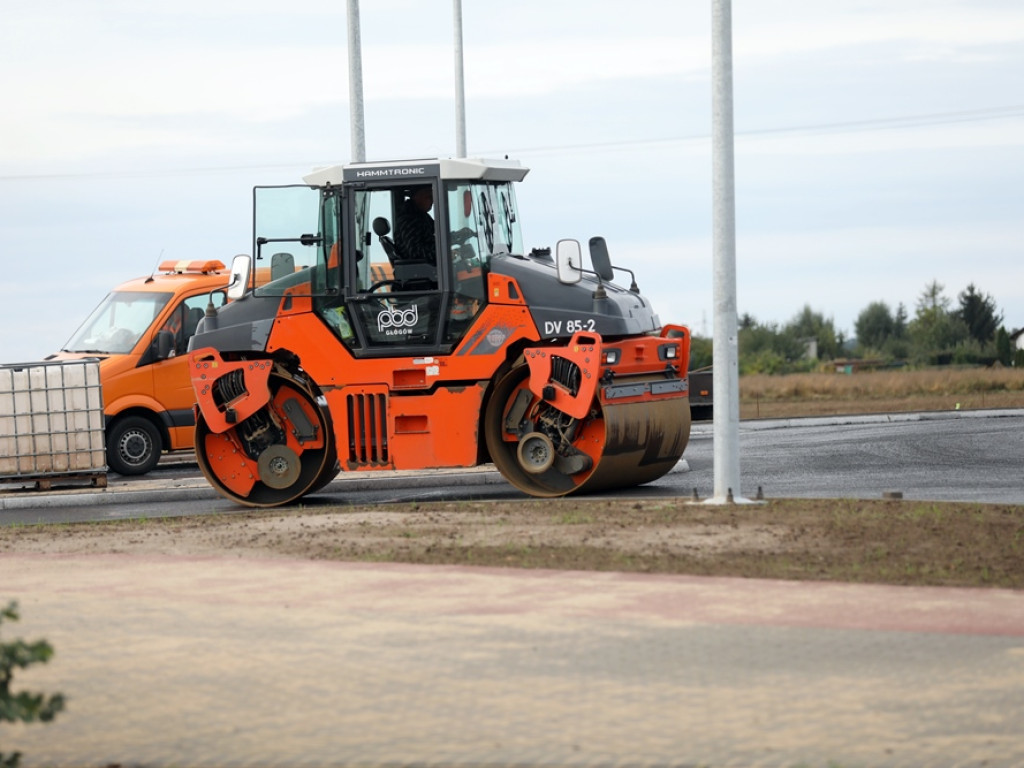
point(545, 453)
point(300, 460)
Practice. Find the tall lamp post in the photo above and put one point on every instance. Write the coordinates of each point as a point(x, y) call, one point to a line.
point(355, 85)
point(460, 86)
point(725, 361)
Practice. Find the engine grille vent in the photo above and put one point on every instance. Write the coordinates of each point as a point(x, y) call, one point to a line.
point(228, 387)
point(367, 429)
point(566, 373)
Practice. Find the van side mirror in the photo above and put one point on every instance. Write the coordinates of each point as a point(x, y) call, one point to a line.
point(241, 273)
point(164, 344)
point(569, 261)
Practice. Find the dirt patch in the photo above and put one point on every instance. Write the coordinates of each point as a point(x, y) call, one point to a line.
point(895, 542)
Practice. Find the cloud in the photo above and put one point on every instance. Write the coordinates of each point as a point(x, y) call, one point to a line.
point(924, 29)
point(871, 152)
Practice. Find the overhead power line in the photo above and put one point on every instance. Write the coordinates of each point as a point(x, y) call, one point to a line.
point(808, 129)
point(909, 121)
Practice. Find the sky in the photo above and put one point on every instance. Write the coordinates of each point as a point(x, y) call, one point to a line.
point(879, 146)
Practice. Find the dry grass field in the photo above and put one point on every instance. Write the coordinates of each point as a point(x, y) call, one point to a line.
point(820, 394)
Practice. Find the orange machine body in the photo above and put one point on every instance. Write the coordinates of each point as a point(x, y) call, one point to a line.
point(369, 358)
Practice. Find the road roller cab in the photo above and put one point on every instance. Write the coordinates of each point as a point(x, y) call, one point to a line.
point(411, 329)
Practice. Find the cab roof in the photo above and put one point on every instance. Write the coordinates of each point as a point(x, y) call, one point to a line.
point(457, 169)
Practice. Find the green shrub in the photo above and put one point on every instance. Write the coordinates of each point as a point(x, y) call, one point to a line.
point(23, 706)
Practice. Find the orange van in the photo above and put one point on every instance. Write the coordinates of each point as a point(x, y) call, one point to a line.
point(140, 333)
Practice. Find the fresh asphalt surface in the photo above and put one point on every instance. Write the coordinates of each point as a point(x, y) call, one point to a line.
point(948, 456)
point(188, 661)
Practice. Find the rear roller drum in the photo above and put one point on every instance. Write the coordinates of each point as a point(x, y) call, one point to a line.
point(279, 454)
point(544, 452)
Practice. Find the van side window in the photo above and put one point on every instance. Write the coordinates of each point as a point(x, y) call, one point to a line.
point(186, 316)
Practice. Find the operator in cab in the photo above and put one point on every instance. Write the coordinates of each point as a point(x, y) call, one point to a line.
point(414, 226)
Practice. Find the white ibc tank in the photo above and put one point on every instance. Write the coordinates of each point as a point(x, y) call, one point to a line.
point(51, 419)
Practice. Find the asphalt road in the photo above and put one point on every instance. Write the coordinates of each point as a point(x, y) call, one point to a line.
point(945, 456)
point(958, 456)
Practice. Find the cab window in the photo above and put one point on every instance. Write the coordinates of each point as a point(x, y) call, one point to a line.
point(289, 238)
point(397, 238)
point(482, 222)
point(186, 316)
point(117, 324)
point(469, 256)
point(395, 297)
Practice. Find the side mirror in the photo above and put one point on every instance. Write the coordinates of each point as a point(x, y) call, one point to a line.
point(164, 344)
point(241, 272)
point(281, 264)
point(600, 259)
point(569, 261)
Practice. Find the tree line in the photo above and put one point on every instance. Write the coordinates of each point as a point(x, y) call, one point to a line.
point(969, 331)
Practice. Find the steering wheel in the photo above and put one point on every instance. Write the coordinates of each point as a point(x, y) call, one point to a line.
point(380, 284)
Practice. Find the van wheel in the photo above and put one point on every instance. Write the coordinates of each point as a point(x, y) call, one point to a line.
point(133, 446)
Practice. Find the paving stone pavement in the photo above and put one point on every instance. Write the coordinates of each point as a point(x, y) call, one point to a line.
point(183, 661)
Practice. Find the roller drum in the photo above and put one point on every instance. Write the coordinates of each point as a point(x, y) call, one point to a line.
point(617, 445)
point(299, 461)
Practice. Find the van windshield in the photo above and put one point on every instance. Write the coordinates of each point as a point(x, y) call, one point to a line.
point(117, 324)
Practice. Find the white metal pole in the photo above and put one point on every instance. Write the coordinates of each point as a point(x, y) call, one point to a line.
point(355, 85)
point(726, 347)
point(460, 86)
